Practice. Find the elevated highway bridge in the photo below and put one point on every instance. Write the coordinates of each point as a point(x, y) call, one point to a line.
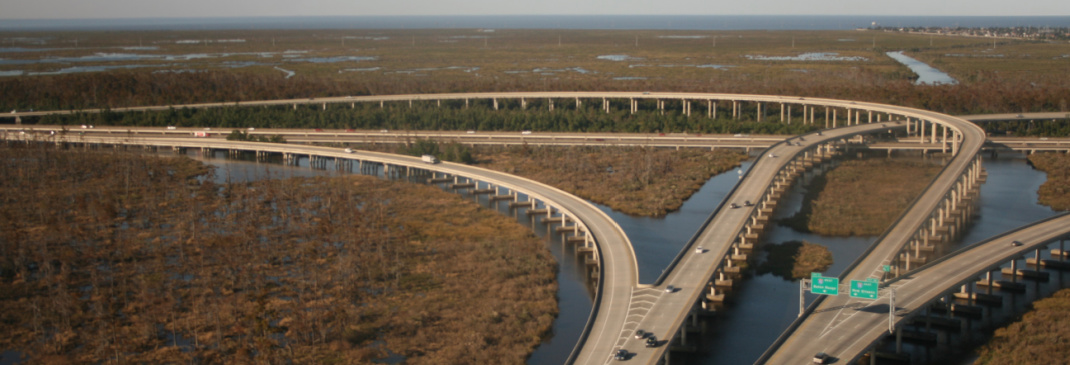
point(622, 304)
point(847, 328)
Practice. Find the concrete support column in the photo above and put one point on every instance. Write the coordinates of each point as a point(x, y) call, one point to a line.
point(870, 116)
point(605, 105)
point(782, 111)
point(921, 129)
point(578, 103)
point(551, 104)
point(711, 109)
point(495, 103)
point(735, 109)
point(833, 119)
point(943, 145)
point(789, 114)
point(466, 103)
point(524, 104)
point(760, 112)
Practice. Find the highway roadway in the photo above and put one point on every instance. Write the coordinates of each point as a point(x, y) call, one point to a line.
point(610, 322)
point(619, 272)
point(884, 251)
point(850, 327)
point(668, 311)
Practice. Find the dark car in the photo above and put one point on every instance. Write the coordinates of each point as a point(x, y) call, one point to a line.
point(621, 354)
point(640, 334)
point(1016, 243)
point(651, 341)
point(822, 358)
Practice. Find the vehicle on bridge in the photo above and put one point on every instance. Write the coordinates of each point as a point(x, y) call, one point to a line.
point(429, 159)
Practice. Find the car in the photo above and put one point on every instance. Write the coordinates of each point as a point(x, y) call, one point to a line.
point(1019, 116)
point(84, 126)
point(822, 358)
point(772, 155)
point(171, 127)
point(350, 130)
point(471, 132)
point(383, 131)
point(747, 203)
point(670, 289)
point(1016, 243)
point(250, 129)
point(651, 341)
point(207, 129)
point(525, 132)
point(646, 93)
point(317, 130)
point(349, 150)
point(734, 205)
point(819, 133)
point(700, 250)
point(621, 354)
point(640, 334)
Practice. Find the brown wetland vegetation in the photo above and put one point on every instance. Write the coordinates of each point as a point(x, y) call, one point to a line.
point(113, 257)
point(1055, 192)
point(861, 197)
point(1013, 76)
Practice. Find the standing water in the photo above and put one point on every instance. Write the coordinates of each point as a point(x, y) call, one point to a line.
point(764, 305)
point(926, 74)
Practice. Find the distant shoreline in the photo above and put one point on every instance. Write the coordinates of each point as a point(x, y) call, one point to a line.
point(608, 22)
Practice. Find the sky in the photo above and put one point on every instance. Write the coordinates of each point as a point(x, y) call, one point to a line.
point(96, 9)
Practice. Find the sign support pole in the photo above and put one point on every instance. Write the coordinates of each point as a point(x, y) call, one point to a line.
point(891, 311)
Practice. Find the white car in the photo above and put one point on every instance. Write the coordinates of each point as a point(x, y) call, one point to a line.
point(349, 150)
point(525, 132)
point(251, 129)
point(171, 127)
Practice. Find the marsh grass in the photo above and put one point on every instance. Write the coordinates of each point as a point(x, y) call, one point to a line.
point(1055, 191)
point(794, 260)
point(112, 257)
point(454, 60)
point(861, 197)
point(1039, 337)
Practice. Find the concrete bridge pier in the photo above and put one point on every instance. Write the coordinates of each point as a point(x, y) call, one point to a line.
point(711, 109)
point(735, 110)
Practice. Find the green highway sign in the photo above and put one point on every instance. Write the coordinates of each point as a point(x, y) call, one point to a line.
point(864, 289)
point(823, 285)
point(887, 268)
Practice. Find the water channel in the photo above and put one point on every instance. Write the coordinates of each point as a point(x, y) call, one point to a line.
point(927, 75)
point(763, 306)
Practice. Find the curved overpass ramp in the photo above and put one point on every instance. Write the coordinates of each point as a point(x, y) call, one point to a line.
point(910, 226)
point(618, 278)
point(848, 330)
